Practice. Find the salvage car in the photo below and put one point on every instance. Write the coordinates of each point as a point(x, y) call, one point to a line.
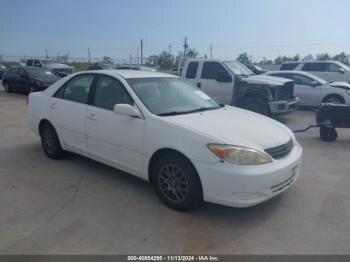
point(58, 69)
point(165, 130)
point(27, 79)
point(331, 71)
point(312, 90)
point(232, 83)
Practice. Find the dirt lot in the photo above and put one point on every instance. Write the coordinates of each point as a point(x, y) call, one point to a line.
point(78, 206)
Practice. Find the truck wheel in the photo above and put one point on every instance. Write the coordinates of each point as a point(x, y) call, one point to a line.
point(176, 182)
point(328, 134)
point(256, 105)
point(335, 99)
point(50, 142)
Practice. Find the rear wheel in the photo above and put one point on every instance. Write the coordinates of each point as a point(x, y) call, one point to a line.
point(7, 88)
point(256, 105)
point(50, 142)
point(176, 182)
point(328, 134)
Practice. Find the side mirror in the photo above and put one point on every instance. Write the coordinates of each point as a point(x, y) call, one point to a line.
point(127, 110)
point(314, 83)
point(223, 77)
point(341, 70)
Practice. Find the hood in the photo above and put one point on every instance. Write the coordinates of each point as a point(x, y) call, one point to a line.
point(47, 80)
point(265, 80)
point(57, 66)
point(234, 126)
point(343, 85)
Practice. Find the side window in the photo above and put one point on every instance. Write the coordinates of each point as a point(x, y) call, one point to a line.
point(192, 70)
point(37, 63)
point(315, 67)
point(289, 66)
point(302, 80)
point(333, 67)
point(76, 89)
point(109, 92)
point(211, 69)
point(29, 62)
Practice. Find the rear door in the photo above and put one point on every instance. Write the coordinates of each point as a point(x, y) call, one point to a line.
point(221, 91)
point(67, 110)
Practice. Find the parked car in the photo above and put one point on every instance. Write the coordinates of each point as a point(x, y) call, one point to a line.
point(312, 90)
point(234, 84)
point(256, 69)
point(331, 71)
point(2, 70)
point(27, 79)
point(175, 71)
point(136, 67)
point(59, 69)
point(165, 130)
point(101, 66)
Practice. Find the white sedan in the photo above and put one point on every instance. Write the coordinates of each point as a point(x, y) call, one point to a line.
point(166, 131)
point(313, 90)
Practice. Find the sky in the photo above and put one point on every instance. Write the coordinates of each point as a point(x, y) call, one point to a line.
point(262, 28)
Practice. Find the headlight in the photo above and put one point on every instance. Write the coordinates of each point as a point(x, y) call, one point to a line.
point(239, 155)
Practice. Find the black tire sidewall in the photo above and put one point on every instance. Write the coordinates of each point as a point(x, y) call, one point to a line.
point(328, 134)
point(341, 100)
point(194, 197)
point(58, 153)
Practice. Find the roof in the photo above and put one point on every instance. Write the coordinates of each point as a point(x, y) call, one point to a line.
point(131, 73)
point(305, 62)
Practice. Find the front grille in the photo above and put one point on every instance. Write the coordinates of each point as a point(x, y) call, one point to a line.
point(280, 151)
point(286, 92)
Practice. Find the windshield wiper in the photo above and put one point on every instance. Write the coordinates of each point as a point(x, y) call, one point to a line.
point(172, 113)
point(201, 109)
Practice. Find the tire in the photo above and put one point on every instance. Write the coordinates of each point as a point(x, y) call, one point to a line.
point(50, 142)
point(177, 183)
point(335, 99)
point(328, 134)
point(256, 105)
point(7, 88)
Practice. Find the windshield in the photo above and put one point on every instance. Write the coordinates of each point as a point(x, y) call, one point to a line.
point(171, 96)
point(343, 65)
point(238, 68)
point(38, 72)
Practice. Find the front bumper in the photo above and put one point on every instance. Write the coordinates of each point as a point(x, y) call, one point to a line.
point(283, 107)
point(244, 186)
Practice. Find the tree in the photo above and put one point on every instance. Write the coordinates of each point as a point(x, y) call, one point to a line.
point(342, 57)
point(244, 58)
point(308, 58)
point(296, 57)
point(192, 53)
point(323, 57)
point(264, 61)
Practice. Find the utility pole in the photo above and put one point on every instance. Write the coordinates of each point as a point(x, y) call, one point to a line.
point(46, 55)
point(137, 55)
point(130, 58)
point(185, 47)
point(169, 49)
point(89, 56)
point(141, 51)
point(211, 51)
point(58, 57)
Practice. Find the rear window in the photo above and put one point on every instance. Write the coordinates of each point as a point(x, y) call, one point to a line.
point(315, 67)
point(192, 70)
point(289, 66)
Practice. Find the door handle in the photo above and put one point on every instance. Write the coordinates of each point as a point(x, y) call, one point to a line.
point(199, 85)
point(53, 106)
point(91, 117)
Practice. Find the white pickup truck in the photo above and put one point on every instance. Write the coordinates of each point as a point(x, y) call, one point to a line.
point(232, 83)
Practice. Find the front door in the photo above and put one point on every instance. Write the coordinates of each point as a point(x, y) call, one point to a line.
point(221, 91)
point(114, 138)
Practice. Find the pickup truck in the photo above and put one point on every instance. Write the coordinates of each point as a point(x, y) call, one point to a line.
point(58, 69)
point(232, 83)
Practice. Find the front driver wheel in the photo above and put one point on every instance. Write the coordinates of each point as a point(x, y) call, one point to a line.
point(176, 182)
point(50, 142)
